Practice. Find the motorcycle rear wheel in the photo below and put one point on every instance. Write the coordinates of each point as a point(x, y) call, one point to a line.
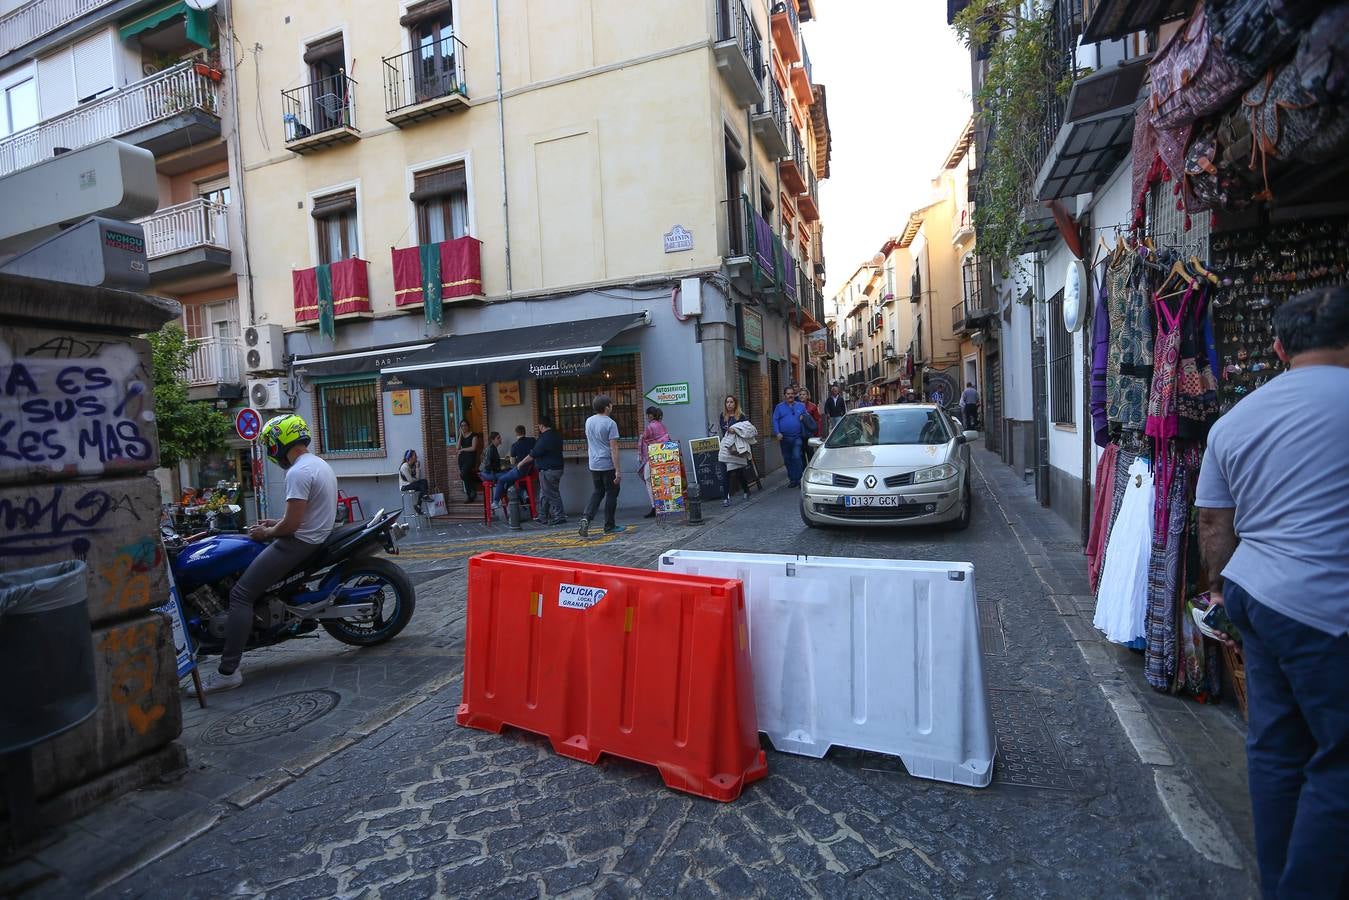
point(388, 620)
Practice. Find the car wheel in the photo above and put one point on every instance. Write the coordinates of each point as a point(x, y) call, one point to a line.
point(966, 508)
point(806, 519)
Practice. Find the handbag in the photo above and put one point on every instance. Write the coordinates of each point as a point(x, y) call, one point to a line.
point(1192, 76)
point(1254, 34)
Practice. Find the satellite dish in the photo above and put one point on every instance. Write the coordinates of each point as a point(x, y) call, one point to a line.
point(1075, 295)
point(201, 5)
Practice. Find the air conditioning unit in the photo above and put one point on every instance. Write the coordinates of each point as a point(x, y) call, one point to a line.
point(267, 393)
point(264, 348)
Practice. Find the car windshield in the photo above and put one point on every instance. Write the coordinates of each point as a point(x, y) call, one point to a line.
point(873, 427)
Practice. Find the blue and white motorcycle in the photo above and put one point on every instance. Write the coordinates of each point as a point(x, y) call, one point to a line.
point(358, 597)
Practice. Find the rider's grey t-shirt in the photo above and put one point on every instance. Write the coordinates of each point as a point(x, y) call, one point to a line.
point(1279, 458)
point(600, 430)
point(311, 478)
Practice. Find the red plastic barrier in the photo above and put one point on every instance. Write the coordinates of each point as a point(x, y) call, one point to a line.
point(649, 666)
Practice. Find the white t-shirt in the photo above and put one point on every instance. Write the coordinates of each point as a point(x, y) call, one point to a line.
point(311, 478)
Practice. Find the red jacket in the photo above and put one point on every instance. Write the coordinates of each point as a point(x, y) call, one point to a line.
point(819, 419)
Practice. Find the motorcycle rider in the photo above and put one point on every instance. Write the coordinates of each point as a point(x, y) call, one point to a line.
point(311, 505)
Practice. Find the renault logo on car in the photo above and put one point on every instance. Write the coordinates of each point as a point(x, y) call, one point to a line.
point(871, 481)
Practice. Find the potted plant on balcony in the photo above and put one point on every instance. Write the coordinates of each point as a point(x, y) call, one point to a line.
point(210, 67)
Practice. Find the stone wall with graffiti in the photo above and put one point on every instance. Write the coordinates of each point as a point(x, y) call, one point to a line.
point(77, 443)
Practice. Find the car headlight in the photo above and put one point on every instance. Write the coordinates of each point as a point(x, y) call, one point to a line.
point(816, 476)
point(936, 473)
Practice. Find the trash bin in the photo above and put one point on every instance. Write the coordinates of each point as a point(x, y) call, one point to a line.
point(47, 681)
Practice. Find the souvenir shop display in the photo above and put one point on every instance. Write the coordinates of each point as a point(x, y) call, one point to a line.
point(666, 474)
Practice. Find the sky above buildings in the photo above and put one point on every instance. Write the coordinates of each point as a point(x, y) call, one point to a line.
point(898, 82)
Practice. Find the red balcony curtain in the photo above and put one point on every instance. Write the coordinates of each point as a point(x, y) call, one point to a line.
point(305, 282)
point(407, 276)
point(351, 286)
point(461, 267)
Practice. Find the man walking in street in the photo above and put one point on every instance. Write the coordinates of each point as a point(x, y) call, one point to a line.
point(835, 406)
point(546, 454)
point(969, 405)
point(602, 444)
point(790, 432)
point(1274, 532)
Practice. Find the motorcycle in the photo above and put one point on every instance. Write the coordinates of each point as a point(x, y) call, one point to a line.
point(356, 596)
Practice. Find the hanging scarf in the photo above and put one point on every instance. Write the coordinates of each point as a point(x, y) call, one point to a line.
point(431, 290)
point(327, 323)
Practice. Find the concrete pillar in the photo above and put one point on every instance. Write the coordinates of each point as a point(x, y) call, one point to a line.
point(78, 442)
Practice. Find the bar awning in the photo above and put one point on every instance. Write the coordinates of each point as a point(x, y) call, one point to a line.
point(197, 23)
point(513, 354)
point(359, 361)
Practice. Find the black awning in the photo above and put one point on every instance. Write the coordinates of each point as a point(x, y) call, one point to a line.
point(514, 354)
point(358, 361)
point(1112, 19)
point(1097, 132)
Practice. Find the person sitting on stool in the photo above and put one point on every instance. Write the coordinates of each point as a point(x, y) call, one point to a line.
point(409, 479)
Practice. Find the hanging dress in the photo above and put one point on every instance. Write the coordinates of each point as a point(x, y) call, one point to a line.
point(1121, 599)
point(1129, 371)
point(1163, 420)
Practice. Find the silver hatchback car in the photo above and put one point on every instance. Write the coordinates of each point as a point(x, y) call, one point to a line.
point(906, 464)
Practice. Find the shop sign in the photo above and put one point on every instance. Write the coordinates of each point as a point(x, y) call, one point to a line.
point(678, 239)
point(750, 330)
point(560, 367)
point(669, 394)
point(508, 393)
point(817, 344)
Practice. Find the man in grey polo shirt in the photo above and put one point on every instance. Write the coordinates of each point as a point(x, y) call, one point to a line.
point(602, 445)
point(1274, 531)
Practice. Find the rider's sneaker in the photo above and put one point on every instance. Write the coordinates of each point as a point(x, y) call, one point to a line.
point(215, 682)
point(584, 530)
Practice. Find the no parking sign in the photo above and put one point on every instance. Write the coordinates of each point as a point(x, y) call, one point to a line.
point(248, 423)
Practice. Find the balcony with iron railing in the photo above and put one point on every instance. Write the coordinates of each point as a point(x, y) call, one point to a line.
point(1065, 25)
point(172, 109)
point(792, 168)
point(808, 203)
point(34, 19)
point(426, 81)
point(801, 79)
point(751, 246)
point(769, 121)
point(739, 51)
point(786, 28)
point(320, 114)
point(213, 361)
point(187, 240)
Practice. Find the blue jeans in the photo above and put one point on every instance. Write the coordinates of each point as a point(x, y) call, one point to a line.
point(504, 480)
point(791, 455)
point(1297, 749)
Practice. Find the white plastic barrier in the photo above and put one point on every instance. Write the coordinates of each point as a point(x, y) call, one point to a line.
point(873, 654)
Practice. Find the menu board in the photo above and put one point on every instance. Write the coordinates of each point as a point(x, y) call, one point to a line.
point(706, 469)
point(665, 469)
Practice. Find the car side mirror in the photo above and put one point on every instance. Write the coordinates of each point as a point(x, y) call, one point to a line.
point(969, 437)
point(815, 443)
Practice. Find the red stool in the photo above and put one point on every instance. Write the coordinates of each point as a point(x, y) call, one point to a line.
point(349, 501)
point(530, 482)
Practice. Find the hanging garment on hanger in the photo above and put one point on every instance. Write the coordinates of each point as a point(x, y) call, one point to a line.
point(1197, 387)
point(1100, 355)
point(1121, 600)
point(1171, 515)
point(1129, 371)
point(1162, 421)
point(1102, 498)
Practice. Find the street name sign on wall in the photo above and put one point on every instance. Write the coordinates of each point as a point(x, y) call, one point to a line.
point(669, 394)
point(678, 239)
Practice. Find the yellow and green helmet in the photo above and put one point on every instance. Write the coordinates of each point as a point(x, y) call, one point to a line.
point(280, 434)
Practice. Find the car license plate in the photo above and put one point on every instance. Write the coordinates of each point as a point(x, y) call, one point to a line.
point(890, 500)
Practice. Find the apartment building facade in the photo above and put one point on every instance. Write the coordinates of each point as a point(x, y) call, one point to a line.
point(160, 76)
point(459, 217)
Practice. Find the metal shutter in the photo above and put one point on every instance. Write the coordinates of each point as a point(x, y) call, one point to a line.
point(56, 83)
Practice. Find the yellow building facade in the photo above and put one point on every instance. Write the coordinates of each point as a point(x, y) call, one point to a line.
point(509, 174)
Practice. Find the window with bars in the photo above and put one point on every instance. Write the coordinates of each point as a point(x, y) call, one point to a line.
point(335, 218)
point(349, 417)
point(567, 400)
point(1060, 365)
point(441, 198)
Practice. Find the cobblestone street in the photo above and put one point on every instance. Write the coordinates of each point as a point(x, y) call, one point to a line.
point(417, 806)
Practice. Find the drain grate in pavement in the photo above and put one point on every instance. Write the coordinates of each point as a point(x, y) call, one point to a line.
point(1028, 755)
point(277, 715)
point(991, 638)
